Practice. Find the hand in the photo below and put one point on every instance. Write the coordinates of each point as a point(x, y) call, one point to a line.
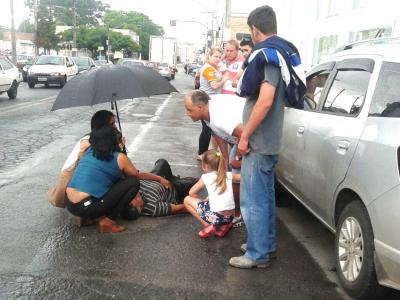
point(137, 201)
point(243, 146)
point(165, 183)
point(234, 82)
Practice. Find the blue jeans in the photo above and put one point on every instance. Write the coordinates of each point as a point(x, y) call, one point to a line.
point(257, 204)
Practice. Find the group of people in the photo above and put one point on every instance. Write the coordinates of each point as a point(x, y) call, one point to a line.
point(241, 110)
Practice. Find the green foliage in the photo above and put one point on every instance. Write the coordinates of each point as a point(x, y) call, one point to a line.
point(92, 38)
point(46, 37)
point(26, 26)
point(137, 22)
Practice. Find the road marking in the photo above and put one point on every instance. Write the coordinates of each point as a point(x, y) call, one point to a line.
point(26, 105)
point(146, 127)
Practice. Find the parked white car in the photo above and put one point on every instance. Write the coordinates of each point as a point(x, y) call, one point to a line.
point(9, 77)
point(341, 159)
point(51, 69)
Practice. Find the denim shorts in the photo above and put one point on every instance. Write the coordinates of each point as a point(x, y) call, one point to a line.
point(214, 218)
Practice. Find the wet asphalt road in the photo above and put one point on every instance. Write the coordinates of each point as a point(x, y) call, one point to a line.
point(44, 256)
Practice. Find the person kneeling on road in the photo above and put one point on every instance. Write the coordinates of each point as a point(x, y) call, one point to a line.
point(219, 209)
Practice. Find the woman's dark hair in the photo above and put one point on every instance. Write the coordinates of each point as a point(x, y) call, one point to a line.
point(264, 19)
point(100, 119)
point(104, 142)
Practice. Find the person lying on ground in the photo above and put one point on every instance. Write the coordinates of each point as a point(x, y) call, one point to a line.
point(155, 200)
point(216, 213)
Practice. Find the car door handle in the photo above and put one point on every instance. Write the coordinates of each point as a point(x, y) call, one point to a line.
point(344, 145)
point(300, 129)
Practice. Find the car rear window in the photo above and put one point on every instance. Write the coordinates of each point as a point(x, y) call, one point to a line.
point(386, 99)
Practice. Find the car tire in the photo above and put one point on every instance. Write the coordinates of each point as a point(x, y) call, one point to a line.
point(13, 91)
point(354, 249)
point(31, 85)
point(63, 82)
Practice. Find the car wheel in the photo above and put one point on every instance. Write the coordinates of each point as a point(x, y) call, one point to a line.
point(63, 82)
point(31, 85)
point(13, 91)
point(354, 247)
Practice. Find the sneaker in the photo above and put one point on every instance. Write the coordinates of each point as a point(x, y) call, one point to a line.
point(237, 219)
point(272, 254)
point(247, 263)
point(223, 230)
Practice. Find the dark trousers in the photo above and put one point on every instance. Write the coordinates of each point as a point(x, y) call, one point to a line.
point(204, 138)
point(182, 186)
point(110, 205)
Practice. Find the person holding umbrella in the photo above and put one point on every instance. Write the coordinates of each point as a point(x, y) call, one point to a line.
point(105, 181)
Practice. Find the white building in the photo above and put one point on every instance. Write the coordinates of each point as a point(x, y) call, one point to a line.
point(318, 27)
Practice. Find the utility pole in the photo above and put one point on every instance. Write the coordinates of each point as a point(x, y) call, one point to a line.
point(36, 28)
point(13, 42)
point(74, 30)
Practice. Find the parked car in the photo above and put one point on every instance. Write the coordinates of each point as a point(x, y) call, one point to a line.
point(152, 65)
point(22, 59)
point(9, 77)
point(26, 68)
point(84, 63)
point(341, 159)
point(165, 71)
point(51, 69)
point(131, 62)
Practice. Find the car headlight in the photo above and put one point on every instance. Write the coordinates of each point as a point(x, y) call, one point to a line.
point(56, 74)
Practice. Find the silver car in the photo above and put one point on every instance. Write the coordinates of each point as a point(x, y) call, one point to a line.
point(341, 159)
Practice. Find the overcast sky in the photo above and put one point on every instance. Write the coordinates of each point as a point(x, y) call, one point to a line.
point(160, 12)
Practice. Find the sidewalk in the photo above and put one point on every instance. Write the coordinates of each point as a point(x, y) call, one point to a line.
point(45, 257)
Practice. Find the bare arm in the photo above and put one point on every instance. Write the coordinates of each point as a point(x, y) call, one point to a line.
point(127, 167)
point(196, 188)
point(237, 77)
point(217, 84)
point(260, 110)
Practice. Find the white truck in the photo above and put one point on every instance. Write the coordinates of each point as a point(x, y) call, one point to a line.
point(163, 50)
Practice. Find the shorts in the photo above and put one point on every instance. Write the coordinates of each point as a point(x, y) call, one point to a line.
point(214, 218)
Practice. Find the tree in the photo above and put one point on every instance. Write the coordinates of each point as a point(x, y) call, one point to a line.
point(26, 26)
point(92, 38)
point(46, 37)
point(137, 22)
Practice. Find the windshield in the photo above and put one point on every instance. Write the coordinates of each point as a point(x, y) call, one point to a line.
point(81, 61)
point(31, 61)
point(50, 60)
point(163, 65)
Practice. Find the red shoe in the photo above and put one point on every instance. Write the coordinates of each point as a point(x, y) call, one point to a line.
point(207, 231)
point(109, 226)
point(223, 230)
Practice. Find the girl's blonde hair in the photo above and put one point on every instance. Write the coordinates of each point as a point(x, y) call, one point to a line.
point(212, 51)
point(214, 159)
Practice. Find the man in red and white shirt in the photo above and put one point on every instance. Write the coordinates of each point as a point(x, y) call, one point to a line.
point(230, 65)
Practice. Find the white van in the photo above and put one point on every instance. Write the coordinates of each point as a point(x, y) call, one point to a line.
point(51, 69)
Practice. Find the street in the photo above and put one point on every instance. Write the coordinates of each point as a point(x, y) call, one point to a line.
point(44, 256)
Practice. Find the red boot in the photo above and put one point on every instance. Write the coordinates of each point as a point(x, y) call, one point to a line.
point(207, 231)
point(223, 230)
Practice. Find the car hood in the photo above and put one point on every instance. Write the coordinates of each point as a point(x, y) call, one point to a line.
point(47, 69)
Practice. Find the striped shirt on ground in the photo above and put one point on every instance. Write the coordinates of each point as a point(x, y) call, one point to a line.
point(157, 199)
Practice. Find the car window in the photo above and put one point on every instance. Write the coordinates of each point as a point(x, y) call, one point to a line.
point(386, 99)
point(347, 93)
point(6, 65)
point(49, 60)
point(315, 85)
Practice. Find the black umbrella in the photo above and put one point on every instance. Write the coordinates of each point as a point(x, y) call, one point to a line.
point(109, 84)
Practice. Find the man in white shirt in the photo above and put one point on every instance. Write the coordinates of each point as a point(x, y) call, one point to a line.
point(223, 114)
